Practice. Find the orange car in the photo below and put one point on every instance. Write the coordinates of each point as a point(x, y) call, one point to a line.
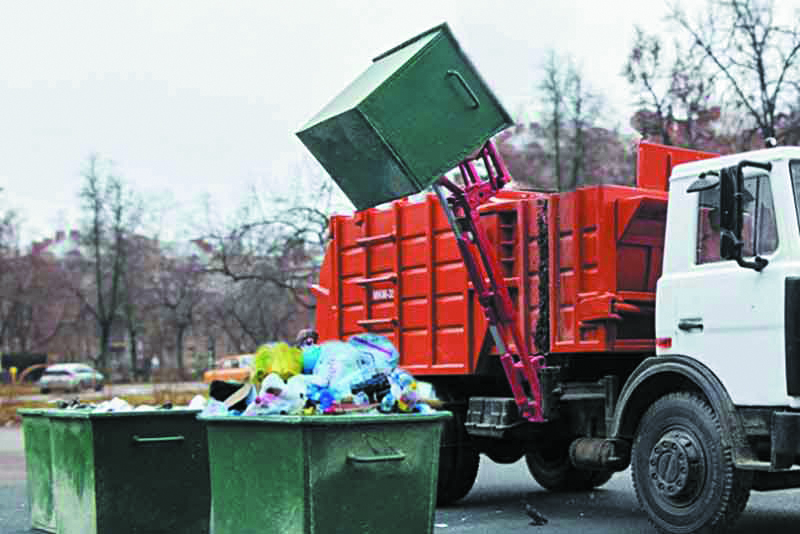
point(232, 368)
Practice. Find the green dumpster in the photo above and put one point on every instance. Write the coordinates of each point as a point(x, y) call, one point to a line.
point(414, 114)
point(38, 468)
point(324, 474)
point(129, 472)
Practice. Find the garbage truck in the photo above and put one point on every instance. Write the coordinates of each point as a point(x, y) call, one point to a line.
point(653, 326)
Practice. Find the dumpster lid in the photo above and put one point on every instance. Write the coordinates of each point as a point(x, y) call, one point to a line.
point(31, 411)
point(416, 112)
point(327, 420)
point(89, 414)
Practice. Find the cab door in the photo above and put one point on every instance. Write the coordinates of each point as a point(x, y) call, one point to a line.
point(730, 317)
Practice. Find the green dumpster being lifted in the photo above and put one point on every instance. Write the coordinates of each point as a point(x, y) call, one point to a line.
point(413, 115)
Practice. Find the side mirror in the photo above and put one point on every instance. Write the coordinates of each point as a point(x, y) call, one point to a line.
point(706, 180)
point(729, 220)
point(732, 199)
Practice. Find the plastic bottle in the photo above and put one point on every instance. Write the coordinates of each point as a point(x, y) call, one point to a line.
point(361, 399)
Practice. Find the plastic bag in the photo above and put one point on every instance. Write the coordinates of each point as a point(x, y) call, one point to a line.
point(198, 402)
point(278, 358)
point(310, 357)
point(278, 397)
point(272, 384)
point(215, 407)
point(114, 405)
point(376, 352)
point(340, 365)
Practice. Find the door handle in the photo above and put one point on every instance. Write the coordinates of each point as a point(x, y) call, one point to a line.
point(473, 97)
point(689, 324)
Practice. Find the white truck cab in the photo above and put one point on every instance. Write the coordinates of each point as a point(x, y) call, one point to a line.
point(735, 319)
point(716, 412)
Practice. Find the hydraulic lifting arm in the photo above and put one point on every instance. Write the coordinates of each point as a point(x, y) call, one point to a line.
point(486, 275)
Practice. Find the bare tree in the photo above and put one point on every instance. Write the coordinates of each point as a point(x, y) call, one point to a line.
point(112, 215)
point(139, 300)
point(692, 88)
point(278, 242)
point(9, 254)
point(755, 55)
point(217, 311)
point(179, 290)
point(33, 303)
point(252, 313)
point(553, 89)
point(648, 74)
point(571, 110)
point(270, 254)
point(9, 232)
point(583, 109)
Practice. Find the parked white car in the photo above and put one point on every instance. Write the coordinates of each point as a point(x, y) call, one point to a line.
point(70, 377)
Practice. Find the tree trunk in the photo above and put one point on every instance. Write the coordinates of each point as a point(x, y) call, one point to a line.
point(768, 131)
point(557, 143)
point(105, 339)
point(134, 352)
point(664, 122)
point(179, 350)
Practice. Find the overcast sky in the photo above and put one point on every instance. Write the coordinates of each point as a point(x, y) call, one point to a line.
point(195, 97)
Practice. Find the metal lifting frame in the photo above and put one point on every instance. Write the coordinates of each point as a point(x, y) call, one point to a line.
point(486, 275)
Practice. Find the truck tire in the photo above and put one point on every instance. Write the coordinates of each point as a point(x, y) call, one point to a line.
point(683, 473)
point(550, 466)
point(458, 463)
point(505, 451)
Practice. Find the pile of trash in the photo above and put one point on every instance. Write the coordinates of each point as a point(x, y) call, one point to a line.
point(335, 377)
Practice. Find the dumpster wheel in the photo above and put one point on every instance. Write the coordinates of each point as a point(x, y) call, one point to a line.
point(552, 469)
point(458, 462)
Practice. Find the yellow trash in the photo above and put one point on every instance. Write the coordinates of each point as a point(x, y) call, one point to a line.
point(278, 358)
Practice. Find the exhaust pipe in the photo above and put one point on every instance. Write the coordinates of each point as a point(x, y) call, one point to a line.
point(600, 454)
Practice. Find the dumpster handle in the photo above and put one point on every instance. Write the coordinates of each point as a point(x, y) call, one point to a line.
point(164, 439)
point(475, 102)
point(356, 459)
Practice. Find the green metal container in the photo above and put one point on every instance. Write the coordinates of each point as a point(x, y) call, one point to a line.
point(38, 468)
point(419, 110)
point(130, 472)
point(324, 474)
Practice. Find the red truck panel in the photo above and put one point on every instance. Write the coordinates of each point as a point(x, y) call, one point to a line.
point(602, 255)
point(381, 271)
point(607, 244)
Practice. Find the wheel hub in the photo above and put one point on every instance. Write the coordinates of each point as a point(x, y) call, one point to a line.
point(675, 465)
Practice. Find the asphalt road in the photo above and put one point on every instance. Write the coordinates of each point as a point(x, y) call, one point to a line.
point(495, 504)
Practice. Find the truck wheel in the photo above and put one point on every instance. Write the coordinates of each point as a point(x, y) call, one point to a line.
point(505, 451)
point(550, 466)
point(458, 462)
point(683, 473)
